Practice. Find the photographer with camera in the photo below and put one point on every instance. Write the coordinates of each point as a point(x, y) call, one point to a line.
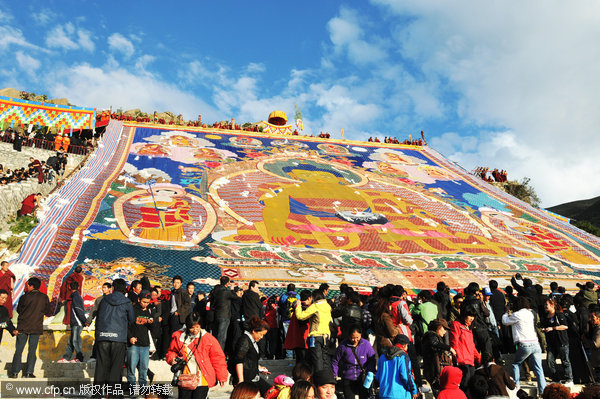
point(196, 359)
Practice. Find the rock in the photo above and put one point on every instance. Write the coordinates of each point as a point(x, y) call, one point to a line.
point(58, 101)
point(10, 92)
point(132, 112)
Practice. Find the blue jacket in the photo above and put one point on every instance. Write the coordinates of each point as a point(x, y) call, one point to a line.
point(115, 313)
point(395, 376)
point(77, 310)
point(344, 362)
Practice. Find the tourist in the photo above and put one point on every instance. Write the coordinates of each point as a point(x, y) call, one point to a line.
point(319, 315)
point(115, 313)
point(353, 359)
point(324, 380)
point(522, 321)
point(106, 289)
point(32, 308)
point(461, 340)
point(244, 360)
point(5, 320)
point(450, 379)
point(394, 371)
point(245, 390)
point(138, 340)
point(296, 338)
point(197, 352)
point(497, 378)
point(75, 318)
point(286, 307)
point(555, 325)
point(190, 288)
point(180, 304)
point(436, 351)
point(134, 291)
point(221, 297)
point(302, 390)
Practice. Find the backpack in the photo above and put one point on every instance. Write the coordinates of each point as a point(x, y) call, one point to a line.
point(286, 309)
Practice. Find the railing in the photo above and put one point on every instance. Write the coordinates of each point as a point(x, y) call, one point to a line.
point(46, 144)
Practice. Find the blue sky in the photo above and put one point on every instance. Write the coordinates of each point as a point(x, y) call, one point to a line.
point(507, 84)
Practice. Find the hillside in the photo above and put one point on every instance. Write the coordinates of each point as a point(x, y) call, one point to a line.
point(582, 210)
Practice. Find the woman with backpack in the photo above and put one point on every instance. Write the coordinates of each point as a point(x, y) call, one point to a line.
point(354, 358)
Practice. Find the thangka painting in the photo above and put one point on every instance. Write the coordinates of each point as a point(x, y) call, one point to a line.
point(304, 210)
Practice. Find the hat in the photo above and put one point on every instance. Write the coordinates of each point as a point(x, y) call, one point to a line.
point(283, 380)
point(323, 377)
point(437, 323)
point(590, 285)
point(236, 289)
point(487, 291)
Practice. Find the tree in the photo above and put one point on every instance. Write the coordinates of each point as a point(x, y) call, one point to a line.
point(586, 226)
point(523, 191)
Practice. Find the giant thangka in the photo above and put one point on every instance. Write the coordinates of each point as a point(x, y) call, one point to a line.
point(207, 203)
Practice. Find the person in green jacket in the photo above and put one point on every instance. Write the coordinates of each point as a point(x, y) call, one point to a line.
point(427, 309)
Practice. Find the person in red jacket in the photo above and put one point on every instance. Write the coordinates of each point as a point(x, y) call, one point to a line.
point(208, 360)
point(449, 382)
point(461, 339)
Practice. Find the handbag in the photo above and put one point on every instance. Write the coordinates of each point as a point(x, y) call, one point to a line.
point(363, 371)
point(189, 381)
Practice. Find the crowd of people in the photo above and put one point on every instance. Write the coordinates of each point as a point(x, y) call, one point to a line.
point(394, 140)
point(79, 142)
point(499, 176)
point(384, 344)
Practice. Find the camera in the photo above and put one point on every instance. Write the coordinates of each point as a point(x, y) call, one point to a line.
point(176, 368)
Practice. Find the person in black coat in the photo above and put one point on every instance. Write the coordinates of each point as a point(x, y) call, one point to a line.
point(5, 321)
point(436, 352)
point(180, 304)
point(244, 362)
point(251, 304)
point(221, 297)
point(115, 313)
point(32, 308)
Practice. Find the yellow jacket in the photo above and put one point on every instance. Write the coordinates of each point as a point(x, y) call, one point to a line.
point(320, 317)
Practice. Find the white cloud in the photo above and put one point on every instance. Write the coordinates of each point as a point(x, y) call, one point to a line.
point(528, 69)
point(120, 43)
point(347, 35)
point(59, 37)
point(12, 36)
point(27, 62)
point(43, 16)
point(84, 38)
point(103, 87)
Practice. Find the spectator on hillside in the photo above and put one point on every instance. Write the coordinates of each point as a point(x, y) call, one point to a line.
point(32, 308)
point(394, 371)
point(115, 313)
